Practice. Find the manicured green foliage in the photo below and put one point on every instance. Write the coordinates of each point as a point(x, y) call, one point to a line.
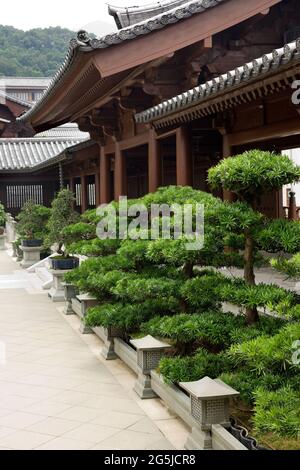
point(249, 176)
point(128, 316)
point(32, 221)
point(81, 230)
point(277, 412)
point(200, 292)
point(262, 295)
point(2, 216)
point(280, 236)
point(62, 215)
point(160, 288)
point(247, 382)
point(290, 267)
point(269, 354)
point(192, 368)
point(136, 288)
point(253, 173)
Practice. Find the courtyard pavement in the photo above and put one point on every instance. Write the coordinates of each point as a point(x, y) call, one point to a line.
point(56, 392)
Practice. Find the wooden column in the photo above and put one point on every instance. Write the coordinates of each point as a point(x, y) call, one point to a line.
point(84, 200)
point(72, 188)
point(120, 173)
point(72, 185)
point(105, 189)
point(227, 151)
point(154, 162)
point(184, 160)
point(97, 188)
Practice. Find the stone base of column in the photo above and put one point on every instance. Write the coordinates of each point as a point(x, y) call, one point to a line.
point(85, 330)
point(199, 440)
point(2, 242)
point(31, 256)
point(68, 308)
point(143, 387)
point(108, 350)
point(57, 291)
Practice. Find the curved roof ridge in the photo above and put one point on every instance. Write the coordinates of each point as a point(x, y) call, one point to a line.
point(85, 44)
point(229, 80)
point(128, 16)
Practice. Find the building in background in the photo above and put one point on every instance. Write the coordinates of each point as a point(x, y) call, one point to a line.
point(17, 95)
point(28, 89)
point(294, 154)
point(169, 95)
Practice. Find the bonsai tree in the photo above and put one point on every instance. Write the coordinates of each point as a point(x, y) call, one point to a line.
point(249, 176)
point(32, 221)
point(2, 219)
point(62, 215)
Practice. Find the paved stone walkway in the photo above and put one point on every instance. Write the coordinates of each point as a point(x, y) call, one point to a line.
point(56, 392)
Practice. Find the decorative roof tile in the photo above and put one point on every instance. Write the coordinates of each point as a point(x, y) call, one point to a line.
point(127, 16)
point(234, 78)
point(23, 154)
point(6, 96)
point(84, 43)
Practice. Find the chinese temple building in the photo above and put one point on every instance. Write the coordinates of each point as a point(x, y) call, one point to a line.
point(179, 86)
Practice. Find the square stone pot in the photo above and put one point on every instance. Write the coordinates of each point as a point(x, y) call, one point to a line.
point(31, 256)
point(57, 291)
point(70, 293)
point(2, 242)
point(80, 305)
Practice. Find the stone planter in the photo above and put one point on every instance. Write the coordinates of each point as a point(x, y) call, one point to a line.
point(34, 243)
point(31, 256)
point(127, 354)
point(108, 351)
point(2, 242)
point(70, 293)
point(80, 305)
point(57, 291)
point(108, 336)
point(64, 263)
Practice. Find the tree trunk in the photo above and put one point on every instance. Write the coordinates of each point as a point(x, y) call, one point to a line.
point(251, 313)
point(188, 269)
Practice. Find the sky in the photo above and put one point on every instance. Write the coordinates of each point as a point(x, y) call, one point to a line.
point(72, 14)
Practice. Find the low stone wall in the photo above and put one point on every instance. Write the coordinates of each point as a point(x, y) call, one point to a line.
point(223, 440)
point(127, 354)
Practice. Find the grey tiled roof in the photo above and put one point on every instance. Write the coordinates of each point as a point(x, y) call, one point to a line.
point(227, 82)
point(127, 16)
point(25, 82)
point(66, 131)
point(30, 153)
point(84, 43)
point(6, 96)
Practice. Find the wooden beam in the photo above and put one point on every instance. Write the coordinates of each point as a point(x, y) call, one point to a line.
point(271, 131)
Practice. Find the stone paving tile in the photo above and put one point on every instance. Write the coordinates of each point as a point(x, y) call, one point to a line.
point(93, 433)
point(25, 440)
point(130, 440)
point(20, 420)
point(53, 426)
point(62, 443)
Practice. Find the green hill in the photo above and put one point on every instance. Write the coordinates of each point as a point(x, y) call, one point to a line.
point(35, 53)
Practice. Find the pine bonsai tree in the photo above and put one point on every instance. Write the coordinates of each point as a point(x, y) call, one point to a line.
point(249, 176)
point(62, 215)
point(32, 221)
point(2, 219)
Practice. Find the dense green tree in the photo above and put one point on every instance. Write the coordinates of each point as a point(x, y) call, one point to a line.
point(37, 52)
